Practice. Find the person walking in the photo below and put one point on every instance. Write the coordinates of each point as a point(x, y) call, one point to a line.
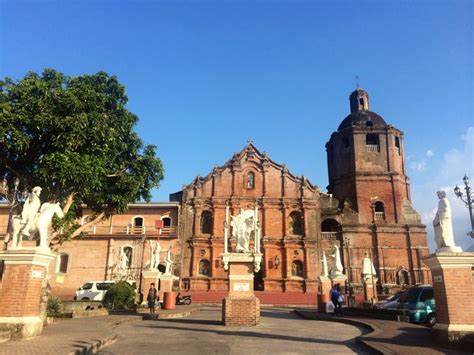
point(335, 298)
point(152, 298)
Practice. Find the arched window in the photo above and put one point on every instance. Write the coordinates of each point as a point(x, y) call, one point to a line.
point(206, 222)
point(372, 142)
point(128, 254)
point(297, 268)
point(296, 224)
point(166, 222)
point(330, 228)
point(63, 263)
point(379, 211)
point(204, 268)
point(402, 276)
point(250, 180)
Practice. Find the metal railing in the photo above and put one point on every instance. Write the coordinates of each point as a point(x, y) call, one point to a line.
point(131, 230)
point(379, 216)
point(329, 235)
point(373, 148)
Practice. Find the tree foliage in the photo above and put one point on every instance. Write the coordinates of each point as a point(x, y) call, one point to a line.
point(119, 296)
point(74, 137)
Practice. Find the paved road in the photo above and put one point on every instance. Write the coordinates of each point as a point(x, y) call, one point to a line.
point(280, 332)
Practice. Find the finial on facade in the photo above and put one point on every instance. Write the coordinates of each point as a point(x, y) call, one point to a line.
point(357, 80)
point(249, 141)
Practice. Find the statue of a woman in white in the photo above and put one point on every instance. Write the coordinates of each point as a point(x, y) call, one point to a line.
point(443, 225)
point(337, 268)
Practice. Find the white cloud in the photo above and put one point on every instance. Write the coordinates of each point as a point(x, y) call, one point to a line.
point(443, 174)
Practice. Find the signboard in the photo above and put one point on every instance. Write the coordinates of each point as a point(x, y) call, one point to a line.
point(158, 224)
point(37, 274)
point(438, 278)
point(241, 286)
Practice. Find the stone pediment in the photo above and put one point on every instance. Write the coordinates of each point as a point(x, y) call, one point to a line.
point(251, 156)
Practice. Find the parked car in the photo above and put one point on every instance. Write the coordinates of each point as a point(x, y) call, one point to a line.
point(420, 305)
point(93, 290)
point(390, 303)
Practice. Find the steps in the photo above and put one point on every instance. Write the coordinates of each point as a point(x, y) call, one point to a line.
point(266, 298)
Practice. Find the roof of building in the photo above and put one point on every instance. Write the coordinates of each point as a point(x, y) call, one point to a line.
point(361, 118)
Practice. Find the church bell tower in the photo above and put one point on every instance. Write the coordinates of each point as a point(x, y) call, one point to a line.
point(366, 166)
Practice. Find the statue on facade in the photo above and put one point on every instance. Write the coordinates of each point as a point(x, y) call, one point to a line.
point(169, 262)
point(443, 226)
point(368, 268)
point(242, 227)
point(324, 263)
point(337, 268)
point(155, 250)
point(123, 263)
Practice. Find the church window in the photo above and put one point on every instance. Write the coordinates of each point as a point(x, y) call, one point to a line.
point(296, 224)
point(372, 142)
point(166, 222)
point(369, 124)
point(297, 268)
point(63, 261)
point(206, 222)
point(397, 145)
point(379, 210)
point(138, 222)
point(361, 102)
point(204, 268)
point(250, 180)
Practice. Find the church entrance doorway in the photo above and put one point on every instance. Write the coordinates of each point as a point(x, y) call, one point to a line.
point(258, 281)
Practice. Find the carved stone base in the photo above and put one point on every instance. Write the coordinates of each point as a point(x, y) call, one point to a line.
point(149, 277)
point(20, 294)
point(237, 311)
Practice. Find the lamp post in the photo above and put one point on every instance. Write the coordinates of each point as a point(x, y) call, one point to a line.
point(469, 201)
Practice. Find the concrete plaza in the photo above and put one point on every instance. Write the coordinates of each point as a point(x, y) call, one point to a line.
point(280, 331)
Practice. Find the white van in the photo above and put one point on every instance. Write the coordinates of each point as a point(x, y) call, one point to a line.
point(93, 290)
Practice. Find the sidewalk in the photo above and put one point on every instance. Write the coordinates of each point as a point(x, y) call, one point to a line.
point(80, 336)
point(386, 336)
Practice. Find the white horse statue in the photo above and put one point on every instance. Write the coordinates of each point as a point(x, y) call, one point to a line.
point(40, 226)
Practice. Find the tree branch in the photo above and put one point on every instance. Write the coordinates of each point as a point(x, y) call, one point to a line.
point(69, 201)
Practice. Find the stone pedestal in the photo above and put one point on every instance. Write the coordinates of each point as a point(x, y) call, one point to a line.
point(149, 277)
point(166, 284)
point(339, 279)
point(20, 293)
point(370, 288)
point(453, 285)
point(324, 292)
point(241, 306)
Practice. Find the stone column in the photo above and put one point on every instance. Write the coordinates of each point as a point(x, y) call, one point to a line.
point(20, 294)
point(241, 306)
point(453, 285)
point(370, 284)
point(149, 277)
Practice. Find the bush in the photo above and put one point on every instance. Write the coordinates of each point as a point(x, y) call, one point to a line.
point(54, 305)
point(119, 296)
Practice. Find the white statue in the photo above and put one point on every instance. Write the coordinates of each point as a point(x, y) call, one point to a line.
point(324, 263)
point(368, 268)
point(443, 226)
point(337, 268)
point(169, 262)
point(242, 227)
point(155, 250)
point(40, 225)
point(30, 210)
point(123, 262)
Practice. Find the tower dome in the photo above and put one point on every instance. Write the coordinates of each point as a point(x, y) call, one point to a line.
point(360, 113)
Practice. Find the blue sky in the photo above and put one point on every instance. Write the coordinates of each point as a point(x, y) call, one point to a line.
point(204, 76)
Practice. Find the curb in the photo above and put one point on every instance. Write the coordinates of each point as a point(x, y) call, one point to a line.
point(93, 348)
point(372, 330)
point(169, 315)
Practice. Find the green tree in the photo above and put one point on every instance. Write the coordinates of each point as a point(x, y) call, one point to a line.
point(74, 137)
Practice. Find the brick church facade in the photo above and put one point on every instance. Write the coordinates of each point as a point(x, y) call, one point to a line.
point(365, 211)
